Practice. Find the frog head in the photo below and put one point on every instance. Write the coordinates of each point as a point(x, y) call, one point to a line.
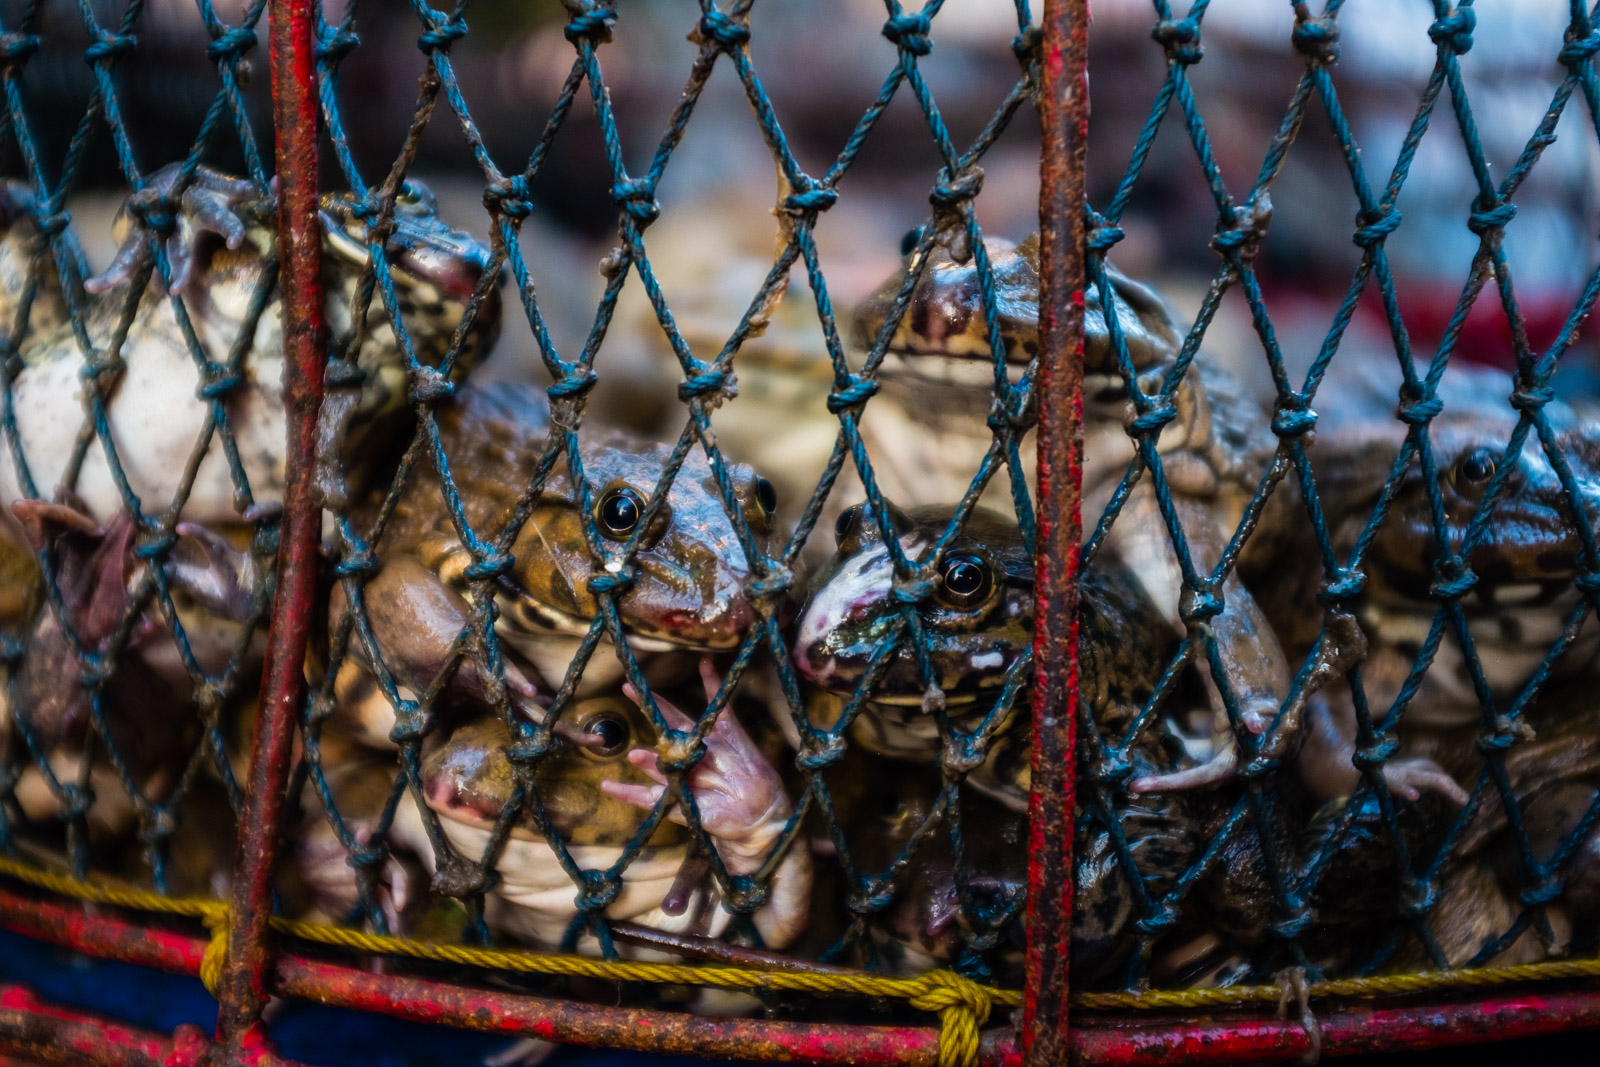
point(468, 778)
point(977, 621)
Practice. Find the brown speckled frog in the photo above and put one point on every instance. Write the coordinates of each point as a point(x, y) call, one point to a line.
point(688, 573)
point(1214, 451)
point(977, 621)
point(223, 257)
point(597, 786)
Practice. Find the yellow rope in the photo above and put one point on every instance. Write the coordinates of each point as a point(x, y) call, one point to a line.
point(963, 1005)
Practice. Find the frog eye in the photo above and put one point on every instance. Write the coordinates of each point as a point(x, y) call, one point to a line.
point(610, 733)
point(847, 525)
point(964, 580)
point(908, 243)
point(766, 496)
point(1473, 470)
point(619, 512)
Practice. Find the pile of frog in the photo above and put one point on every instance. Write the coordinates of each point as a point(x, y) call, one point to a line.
point(559, 698)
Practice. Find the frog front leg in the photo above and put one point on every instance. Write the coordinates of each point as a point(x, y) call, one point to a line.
point(743, 807)
point(416, 619)
point(208, 207)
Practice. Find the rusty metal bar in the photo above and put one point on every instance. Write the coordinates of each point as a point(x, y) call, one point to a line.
point(1064, 108)
point(242, 991)
point(42, 1033)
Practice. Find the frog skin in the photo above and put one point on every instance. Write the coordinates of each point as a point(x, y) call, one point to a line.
point(1526, 565)
point(597, 786)
point(23, 250)
point(977, 622)
point(222, 251)
point(689, 572)
point(1214, 452)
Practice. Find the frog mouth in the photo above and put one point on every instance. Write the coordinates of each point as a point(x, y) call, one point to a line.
point(968, 371)
point(534, 619)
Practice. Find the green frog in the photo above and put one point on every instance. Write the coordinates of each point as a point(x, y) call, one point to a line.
point(977, 622)
point(596, 787)
point(222, 254)
point(1214, 452)
point(689, 570)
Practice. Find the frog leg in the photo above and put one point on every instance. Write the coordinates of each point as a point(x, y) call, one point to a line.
point(209, 206)
point(1326, 764)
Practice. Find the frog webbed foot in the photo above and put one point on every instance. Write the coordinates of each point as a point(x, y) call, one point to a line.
point(218, 576)
point(208, 208)
point(1220, 769)
point(1410, 778)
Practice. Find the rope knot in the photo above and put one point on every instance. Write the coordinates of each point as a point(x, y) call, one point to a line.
point(532, 748)
point(1417, 898)
point(856, 391)
point(336, 45)
point(509, 197)
point(1418, 410)
point(1579, 50)
point(1102, 234)
point(1342, 585)
point(910, 33)
point(1161, 410)
point(490, 566)
point(358, 564)
point(232, 44)
point(593, 26)
point(1454, 31)
point(109, 47)
point(810, 199)
point(218, 382)
point(1484, 220)
point(963, 1008)
point(155, 543)
point(1181, 39)
point(775, 581)
point(913, 588)
point(1531, 398)
point(960, 756)
point(410, 724)
point(618, 581)
point(714, 383)
point(15, 47)
point(154, 210)
point(429, 387)
point(637, 196)
point(1113, 770)
point(1377, 753)
point(440, 36)
point(1244, 228)
point(572, 386)
point(1292, 925)
point(1161, 920)
point(1372, 229)
point(722, 29)
point(1452, 579)
point(1317, 39)
point(1293, 416)
point(817, 755)
point(1543, 893)
point(1588, 582)
point(950, 193)
point(1026, 44)
point(678, 751)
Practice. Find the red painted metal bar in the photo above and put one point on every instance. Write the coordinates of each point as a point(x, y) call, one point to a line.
point(74, 926)
point(1064, 106)
point(242, 992)
point(45, 1034)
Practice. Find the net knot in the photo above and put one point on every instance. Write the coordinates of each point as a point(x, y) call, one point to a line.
point(1588, 582)
point(1452, 579)
point(1180, 38)
point(1507, 732)
point(1492, 218)
point(914, 588)
point(910, 33)
point(1454, 31)
point(410, 724)
point(1579, 50)
point(1531, 398)
point(366, 856)
point(1374, 228)
point(457, 877)
point(439, 37)
point(857, 390)
point(532, 748)
point(1246, 226)
point(156, 544)
point(15, 47)
point(218, 382)
point(775, 581)
point(109, 46)
point(232, 43)
point(963, 1008)
point(714, 382)
point(1375, 754)
point(572, 386)
point(1161, 920)
point(950, 193)
point(336, 45)
point(1113, 770)
point(1418, 410)
point(215, 959)
point(960, 756)
point(101, 373)
point(359, 564)
point(1293, 924)
point(679, 750)
point(1293, 416)
point(745, 895)
point(723, 29)
point(1418, 897)
point(593, 26)
point(428, 386)
point(1317, 39)
point(53, 223)
point(1161, 410)
point(1026, 44)
point(154, 210)
point(820, 754)
point(810, 199)
point(637, 196)
point(1102, 234)
point(75, 801)
point(618, 581)
point(490, 566)
point(1200, 603)
point(1547, 890)
point(509, 197)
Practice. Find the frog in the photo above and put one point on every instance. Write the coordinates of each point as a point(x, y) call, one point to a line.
point(977, 622)
point(27, 264)
point(689, 572)
point(597, 785)
point(1215, 451)
point(222, 254)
